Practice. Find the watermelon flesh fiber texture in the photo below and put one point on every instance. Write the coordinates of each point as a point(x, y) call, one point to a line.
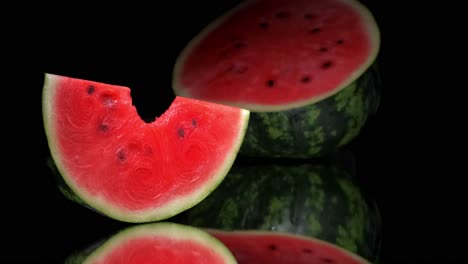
point(131, 170)
point(277, 58)
point(252, 247)
point(161, 242)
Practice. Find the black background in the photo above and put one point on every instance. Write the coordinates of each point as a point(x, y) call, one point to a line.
point(398, 155)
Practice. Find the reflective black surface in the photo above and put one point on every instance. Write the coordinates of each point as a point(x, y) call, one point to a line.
point(136, 46)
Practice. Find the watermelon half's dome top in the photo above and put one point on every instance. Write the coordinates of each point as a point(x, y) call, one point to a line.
point(123, 167)
point(278, 54)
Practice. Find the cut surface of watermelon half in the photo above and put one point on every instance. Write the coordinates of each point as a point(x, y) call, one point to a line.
point(272, 55)
point(121, 166)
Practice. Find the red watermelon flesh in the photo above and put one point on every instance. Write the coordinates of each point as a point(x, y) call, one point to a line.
point(129, 169)
point(271, 55)
point(252, 247)
point(161, 250)
point(161, 242)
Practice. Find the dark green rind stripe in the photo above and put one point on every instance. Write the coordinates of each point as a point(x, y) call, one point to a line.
point(316, 129)
point(317, 201)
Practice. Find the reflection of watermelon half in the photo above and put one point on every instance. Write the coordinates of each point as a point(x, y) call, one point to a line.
point(305, 68)
point(162, 242)
point(252, 247)
point(130, 170)
point(312, 200)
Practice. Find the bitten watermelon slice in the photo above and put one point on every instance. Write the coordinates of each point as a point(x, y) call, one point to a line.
point(252, 247)
point(306, 69)
point(162, 242)
point(114, 162)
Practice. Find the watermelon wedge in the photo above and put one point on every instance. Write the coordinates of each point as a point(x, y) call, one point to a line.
point(162, 242)
point(306, 69)
point(130, 170)
point(252, 247)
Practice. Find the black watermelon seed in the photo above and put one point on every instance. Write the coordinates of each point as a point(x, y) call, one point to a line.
point(181, 132)
point(315, 30)
point(282, 14)
point(264, 25)
point(122, 155)
point(91, 89)
point(327, 64)
point(270, 83)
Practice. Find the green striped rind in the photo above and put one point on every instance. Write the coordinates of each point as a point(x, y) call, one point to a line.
point(161, 229)
point(312, 200)
point(316, 129)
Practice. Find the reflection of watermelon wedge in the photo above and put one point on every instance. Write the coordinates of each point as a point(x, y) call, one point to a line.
point(131, 170)
point(161, 242)
point(303, 67)
point(252, 247)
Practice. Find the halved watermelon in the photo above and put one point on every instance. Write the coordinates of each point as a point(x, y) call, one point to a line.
point(162, 242)
point(306, 69)
point(252, 247)
point(114, 162)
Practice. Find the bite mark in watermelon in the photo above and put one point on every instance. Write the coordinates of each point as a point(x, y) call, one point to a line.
point(291, 60)
point(251, 247)
point(161, 242)
point(131, 170)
